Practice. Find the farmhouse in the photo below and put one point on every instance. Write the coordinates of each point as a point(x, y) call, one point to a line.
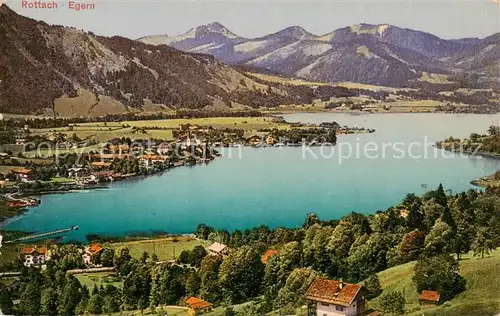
point(332, 298)
point(218, 249)
point(429, 298)
point(198, 306)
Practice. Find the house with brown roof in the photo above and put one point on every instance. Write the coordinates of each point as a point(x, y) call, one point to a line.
point(22, 174)
point(197, 306)
point(90, 252)
point(333, 298)
point(218, 249)
point(34, 257)
point(267, 255)
point(429, 298)
point(100, 164)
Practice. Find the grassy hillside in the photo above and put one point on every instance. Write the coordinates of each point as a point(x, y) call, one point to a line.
point(481, 298)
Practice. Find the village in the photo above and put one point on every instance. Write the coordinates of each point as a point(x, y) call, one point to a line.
point(55, 160)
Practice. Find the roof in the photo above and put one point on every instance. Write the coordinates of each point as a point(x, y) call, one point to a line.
point(154, 157)
point(100, 164)
point(268, 254)
point(197, 303)
point(95, 248)
point(217, 247)
point(330, 291)
point(119, 147)
point(429, 296)
point(31, 250)
point(20, 170)
point(110, 156)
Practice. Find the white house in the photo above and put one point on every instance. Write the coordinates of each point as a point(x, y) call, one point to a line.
point(218, 249)
point(335, 298)
point(35, 257)
point(90, 252)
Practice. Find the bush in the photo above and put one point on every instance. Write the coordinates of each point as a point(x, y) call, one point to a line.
point(372, 285)
point(392, 303)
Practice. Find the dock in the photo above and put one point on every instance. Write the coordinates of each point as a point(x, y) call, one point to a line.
point(36, 236)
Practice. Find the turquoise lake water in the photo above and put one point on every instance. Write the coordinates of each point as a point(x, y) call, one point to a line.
point(278, 186)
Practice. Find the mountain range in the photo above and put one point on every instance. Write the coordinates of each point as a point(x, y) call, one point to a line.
point(60, 70)
point(376, 54)
point(57, 70)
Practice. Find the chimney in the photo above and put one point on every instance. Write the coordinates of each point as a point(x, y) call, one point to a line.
point(341, 284)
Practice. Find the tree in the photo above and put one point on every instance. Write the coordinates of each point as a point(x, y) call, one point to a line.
point(121, 260)
point(107, 256)
point(48, 301)
point(193, 284)
point(209, 275)
point(137, 287)
point(203, 231)
point(196, 255)
point(311, 220)
point(482, 243)
point(111, 301)
point(439, 240)
point(241, 275)
point(94, 304)
point(30, 299)
point(372, 285)
point(368, 257)
point(441, 274)
point(295, 287)
point(184, 257)
point(411, 246)
point(415, 217)
point(70, 297)
point(392, 303)
point(6, 304)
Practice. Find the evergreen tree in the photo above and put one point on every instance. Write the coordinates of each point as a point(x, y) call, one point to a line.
point(30, 299)
point(49, 301)
point(70, 296)
point(94, 304)
point(6, 304)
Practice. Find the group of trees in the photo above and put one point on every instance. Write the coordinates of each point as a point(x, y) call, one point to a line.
point(429, 229)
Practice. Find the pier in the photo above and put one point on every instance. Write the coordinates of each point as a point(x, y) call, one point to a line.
point(36, 236)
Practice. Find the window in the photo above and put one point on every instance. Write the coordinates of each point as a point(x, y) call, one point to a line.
point(339, 308)
point(325, 304)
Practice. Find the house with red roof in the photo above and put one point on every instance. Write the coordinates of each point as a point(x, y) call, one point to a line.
point(197, 306)
point(267, 255)
point(333, 298)
point(35, 257)
point(90, 252)
point(429, 298)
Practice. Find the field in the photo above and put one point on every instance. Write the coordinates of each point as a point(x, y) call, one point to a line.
point(159, 129)
point(89, 279)
point(165, 248)
point(482, 296)
point(165, 310)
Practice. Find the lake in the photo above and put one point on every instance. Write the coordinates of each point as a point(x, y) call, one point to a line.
point(279, 186)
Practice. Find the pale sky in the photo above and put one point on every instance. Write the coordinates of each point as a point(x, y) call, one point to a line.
point(254, 18)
